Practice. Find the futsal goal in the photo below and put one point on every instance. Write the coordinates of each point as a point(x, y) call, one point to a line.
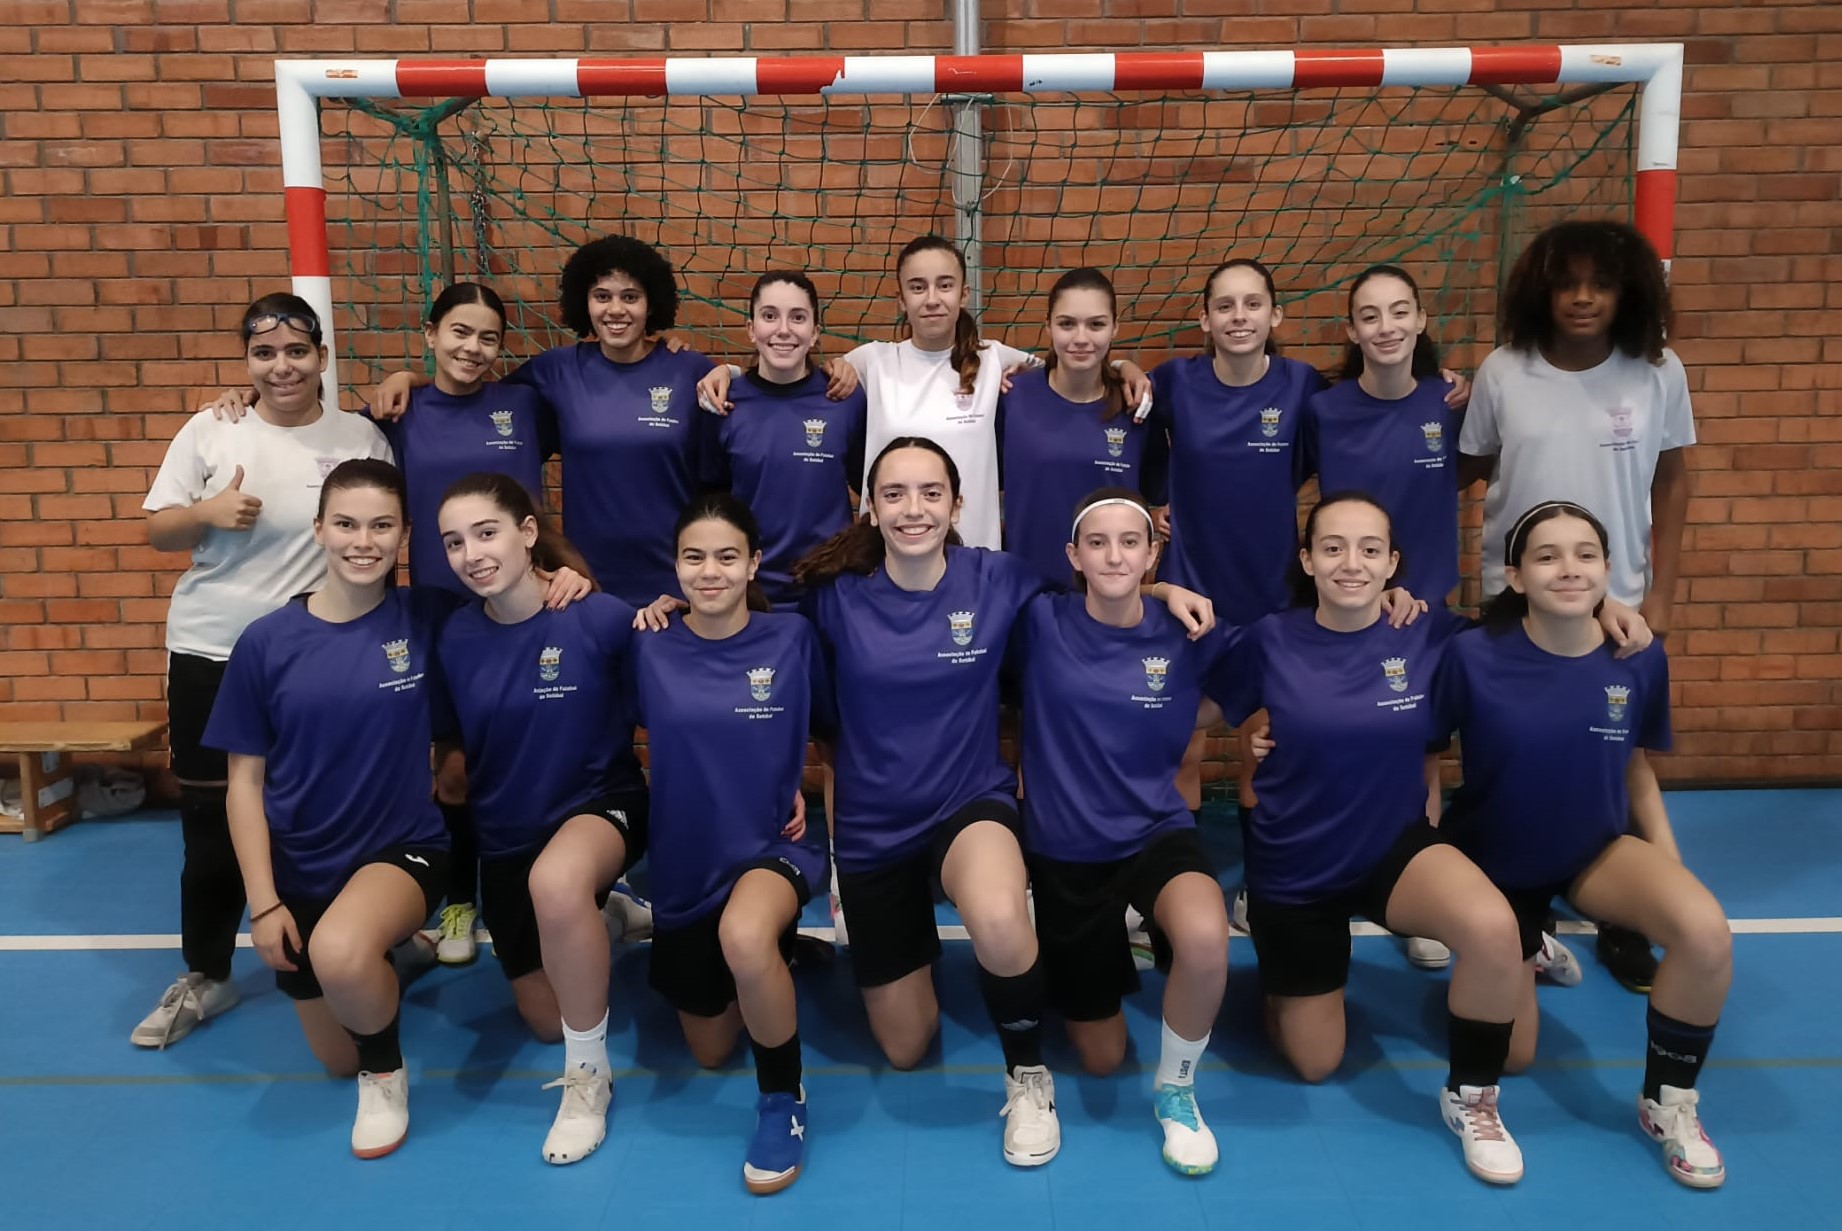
point(405, 175)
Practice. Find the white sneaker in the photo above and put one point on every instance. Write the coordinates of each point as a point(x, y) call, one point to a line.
point(190, 1000)
point(628, 916)
point(1237, 913)
point(582, 1121)
point(1427, 953)
point(383, 1113)
point(1556, 963)
point(1189, 1146)
point(1490, 1152)
point(1032, 1134)
point(839, 935)
point(457, 946)
point(1675, 1121)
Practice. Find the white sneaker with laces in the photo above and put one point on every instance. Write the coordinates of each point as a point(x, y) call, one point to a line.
point(627, 915)
point(383, 1113)
point(1674, 1120)
point(1189, 1146)
point(457, 946)
point(1427, 953)
point(1237, 913)
point(582, 1121)
point(1032, 1134)
point(1556, 963)
point(190, 1000)
point(1490, 1152)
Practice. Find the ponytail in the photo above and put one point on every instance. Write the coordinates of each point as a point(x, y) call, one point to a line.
point(965, 357)
point(551, 552)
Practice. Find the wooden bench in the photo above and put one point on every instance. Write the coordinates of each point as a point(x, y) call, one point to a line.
point(47, 787)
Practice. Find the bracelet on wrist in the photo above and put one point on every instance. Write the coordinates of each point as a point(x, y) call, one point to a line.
point(266, 911)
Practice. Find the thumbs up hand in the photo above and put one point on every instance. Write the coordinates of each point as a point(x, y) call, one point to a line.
point(232, 508)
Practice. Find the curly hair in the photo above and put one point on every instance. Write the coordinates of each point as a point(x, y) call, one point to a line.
point(1616, 252)
point(618, 254)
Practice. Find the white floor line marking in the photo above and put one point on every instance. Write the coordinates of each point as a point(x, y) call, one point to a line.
point(129, 941)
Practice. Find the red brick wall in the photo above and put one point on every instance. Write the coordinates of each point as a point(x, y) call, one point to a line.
point(142, 207)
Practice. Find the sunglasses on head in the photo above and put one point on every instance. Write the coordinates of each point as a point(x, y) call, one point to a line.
point(256, 326)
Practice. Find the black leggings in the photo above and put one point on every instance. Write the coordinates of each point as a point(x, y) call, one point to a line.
point(210, 884)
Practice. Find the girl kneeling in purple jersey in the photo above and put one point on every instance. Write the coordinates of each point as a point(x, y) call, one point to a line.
point(914, 628)
point(324, 712)
point(729, 696)
point(538, 700)
point(1112, 687)
point(1553, 728)
point(1340, 828)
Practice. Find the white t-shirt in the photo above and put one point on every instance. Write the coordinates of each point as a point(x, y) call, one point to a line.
point(1590, 437)
point(913, 392)
point(240, 575)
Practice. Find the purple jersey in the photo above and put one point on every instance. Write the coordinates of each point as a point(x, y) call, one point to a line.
point(791, 454)
point(1107, 715)
point(1051, 453)
point(726, 729)
point(1352, 717)
point(632, 441)
point(501, 428)
point(1404, 453)
point(1234, 479)
point(915, 673)
point(340, 712)
point(1546, 741)
point(542, 710)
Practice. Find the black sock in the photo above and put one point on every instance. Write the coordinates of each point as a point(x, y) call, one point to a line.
point(1478, 1051)
point(464, 858)
point(1675, 1055)
point(777, 1069)
point(1015, 1003)
point(380, 1052)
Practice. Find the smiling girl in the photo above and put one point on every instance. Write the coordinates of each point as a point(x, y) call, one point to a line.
point(324, 715)
point(241, 500)
point(1340, 828)
point(1540, 687)
point(728, 696)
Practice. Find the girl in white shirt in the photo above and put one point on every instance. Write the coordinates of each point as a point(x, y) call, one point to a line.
point(241, 499)
point(941, 382)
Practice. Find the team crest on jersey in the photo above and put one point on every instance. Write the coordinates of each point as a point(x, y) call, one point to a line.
point(661, 396)
point(1269, 421)
point(550, 663)
point(397, 652)
point(1157, 670)
point(960, 623)
point(502, 422)
point(815, 432)
point(962, 401)
point(1617, 699)
point(1394, 670)
point(1622, 416)
point(1435, 436)
point(327, 465)
point(761, 682)
point(1115, 441)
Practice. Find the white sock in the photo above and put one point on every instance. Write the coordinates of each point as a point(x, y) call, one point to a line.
point(1177, 1058)
point(586, 1049)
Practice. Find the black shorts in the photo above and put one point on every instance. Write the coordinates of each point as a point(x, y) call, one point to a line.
point(505, 882)
point(428, 865)
point(687, 963)
point(1534, 910)
point(191, 690)
point(1304, 949)
point(890, 910)
point(1080, 919)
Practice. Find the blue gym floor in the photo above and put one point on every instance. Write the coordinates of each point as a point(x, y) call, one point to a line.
point(235, 1127)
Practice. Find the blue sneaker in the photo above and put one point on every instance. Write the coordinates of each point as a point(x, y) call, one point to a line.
point(1189, 1146)
point(779, 1147)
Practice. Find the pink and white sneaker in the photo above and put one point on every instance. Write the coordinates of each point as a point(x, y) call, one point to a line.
point(1675, 1122)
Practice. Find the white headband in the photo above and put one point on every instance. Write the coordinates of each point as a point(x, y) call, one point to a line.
point(1074, 531)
